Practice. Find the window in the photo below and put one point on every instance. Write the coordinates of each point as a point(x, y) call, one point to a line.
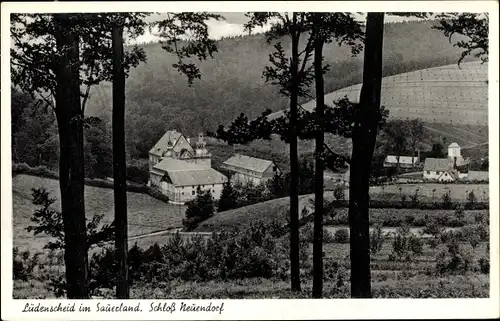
point(193, 192)
point(274, 168)
point(182, 193)
point(438, 173)
point(428, 172)
point(213, 190)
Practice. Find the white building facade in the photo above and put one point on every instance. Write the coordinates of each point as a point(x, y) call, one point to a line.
point(246, 169)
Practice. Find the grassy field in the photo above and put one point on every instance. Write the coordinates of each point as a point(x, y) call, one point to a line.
point(145, 213)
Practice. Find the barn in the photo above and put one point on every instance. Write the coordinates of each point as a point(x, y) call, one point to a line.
point(246, 169)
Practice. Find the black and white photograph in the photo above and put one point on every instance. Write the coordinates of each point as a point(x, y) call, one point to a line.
point(210, 155)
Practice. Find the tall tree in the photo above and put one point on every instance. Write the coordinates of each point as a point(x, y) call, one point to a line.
point(293, 78)
point(80, 60)
point(415, 134)
point(363, 140)
point(69, 115)
point(119, 160)
point(396, 132)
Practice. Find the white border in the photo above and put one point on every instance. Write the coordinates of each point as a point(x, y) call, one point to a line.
point(264, 309)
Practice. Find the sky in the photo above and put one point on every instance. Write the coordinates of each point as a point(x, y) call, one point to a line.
point(233, 26)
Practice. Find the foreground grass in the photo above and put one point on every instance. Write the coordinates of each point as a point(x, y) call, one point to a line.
point(418, 286)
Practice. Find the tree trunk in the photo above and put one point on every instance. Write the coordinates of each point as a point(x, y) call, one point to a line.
point(294, 168)
point(119, 163)
point(71, 166)
point(318, 179)
point(364, 138)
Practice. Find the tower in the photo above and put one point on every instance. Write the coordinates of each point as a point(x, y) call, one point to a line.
point(454, 151)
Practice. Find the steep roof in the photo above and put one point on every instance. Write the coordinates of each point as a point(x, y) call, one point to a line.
point(437, 164)
point(247, 162)
point(454, 145)
point(402, 159)
point(183, 173)
point(161, 146)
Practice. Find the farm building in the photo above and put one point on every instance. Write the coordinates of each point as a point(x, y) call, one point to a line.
point(247, 169)
point(452, 168)
point(446, 94)
point(179, 179)
point(404, 161)
point(178, 167)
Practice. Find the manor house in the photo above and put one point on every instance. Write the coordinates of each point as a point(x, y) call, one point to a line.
point(177, 167)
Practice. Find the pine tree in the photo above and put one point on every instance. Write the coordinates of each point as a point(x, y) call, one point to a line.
point(228, 197)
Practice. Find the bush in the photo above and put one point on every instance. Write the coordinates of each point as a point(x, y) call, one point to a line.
point(153, 192)
point(138, 175)
point(484, 265)
point(455, 260)
point(409, 219)
point(199, 209)
point(446, 199)
point(342, 235)
point(377, 239)
point(416, 245)
point(328, 237)
point(339, 193)
point(479, 217)
point(460, 213)
point(433, 242)
point(471, 199)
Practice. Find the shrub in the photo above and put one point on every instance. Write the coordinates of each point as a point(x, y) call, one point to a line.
point(400, 244)
point(484, 265)
point(433, 242)
point(328, 237)
point(153, 192)
point(339, 192)
point(409, 219)
point(455, 260)
point(199, 209)
point(137, 174)
point(460, 213)
point(432, 227)
point(471, 198)
point(416, 244)
point(342, 235)
point(479, 217)
point(377, 239)
point(446, 199)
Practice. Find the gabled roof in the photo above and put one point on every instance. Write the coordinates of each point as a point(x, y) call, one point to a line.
point(437, 164)
point(402, 159)
point(454, 145)
point(246, 162)
point(453, 174)
point(169, 139)
point(182, 173)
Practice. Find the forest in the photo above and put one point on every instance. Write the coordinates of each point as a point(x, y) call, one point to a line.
point(159, 98)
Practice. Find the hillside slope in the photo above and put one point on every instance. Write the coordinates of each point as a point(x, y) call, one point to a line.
point(158, 98)
point(448, 94)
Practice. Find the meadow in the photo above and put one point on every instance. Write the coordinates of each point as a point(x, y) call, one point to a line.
point(145, 213)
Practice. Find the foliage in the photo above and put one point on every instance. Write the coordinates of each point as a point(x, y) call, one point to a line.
point(339, 192)
point(404, 244)
point(484, 265)
point(341, 235)
point(471, 198)
point(455, 260)
point(228, 198)
point(460, 213)
point(472, 25)
point(199, 209)
point(377, 239)
point(50, 222)
point(446, 199)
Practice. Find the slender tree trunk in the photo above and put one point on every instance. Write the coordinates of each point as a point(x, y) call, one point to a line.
point(294, 168)
point(364, 138)
point(71, 166)
point(318, 179)
point(119, 163)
